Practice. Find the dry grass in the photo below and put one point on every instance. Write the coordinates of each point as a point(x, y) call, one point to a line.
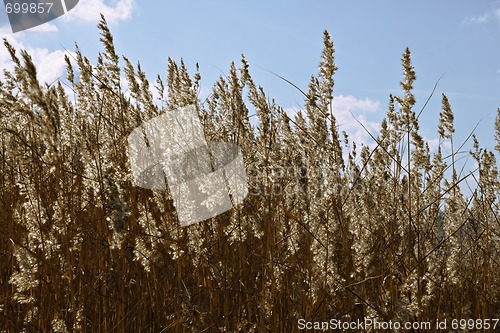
point(383, 235)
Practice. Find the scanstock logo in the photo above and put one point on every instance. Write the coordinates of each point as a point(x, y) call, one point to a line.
point(31, 13)
point(205, 178)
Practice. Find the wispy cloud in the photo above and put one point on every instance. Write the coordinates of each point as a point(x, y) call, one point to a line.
point(90, 11)
point(491, 15)
point(6, 30)
point(352, 115)
point(50, 64)
point(344, 107)
point(350, 111)
point(46, 27)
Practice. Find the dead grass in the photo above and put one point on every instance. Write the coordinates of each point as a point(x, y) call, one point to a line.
point(383, 235)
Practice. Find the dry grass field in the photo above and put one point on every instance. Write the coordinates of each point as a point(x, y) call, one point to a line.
point(325, 232)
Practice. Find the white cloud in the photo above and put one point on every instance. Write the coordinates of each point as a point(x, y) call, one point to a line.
point(90, 11)
point(344, 103)
point(46, 27)
point(348, 110)
point(50, 64)
point(342, 107)
point(6, 30)
point(488, 16)
point(478, 19)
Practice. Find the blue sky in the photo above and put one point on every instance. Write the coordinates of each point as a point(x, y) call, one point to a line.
point(457, 39)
